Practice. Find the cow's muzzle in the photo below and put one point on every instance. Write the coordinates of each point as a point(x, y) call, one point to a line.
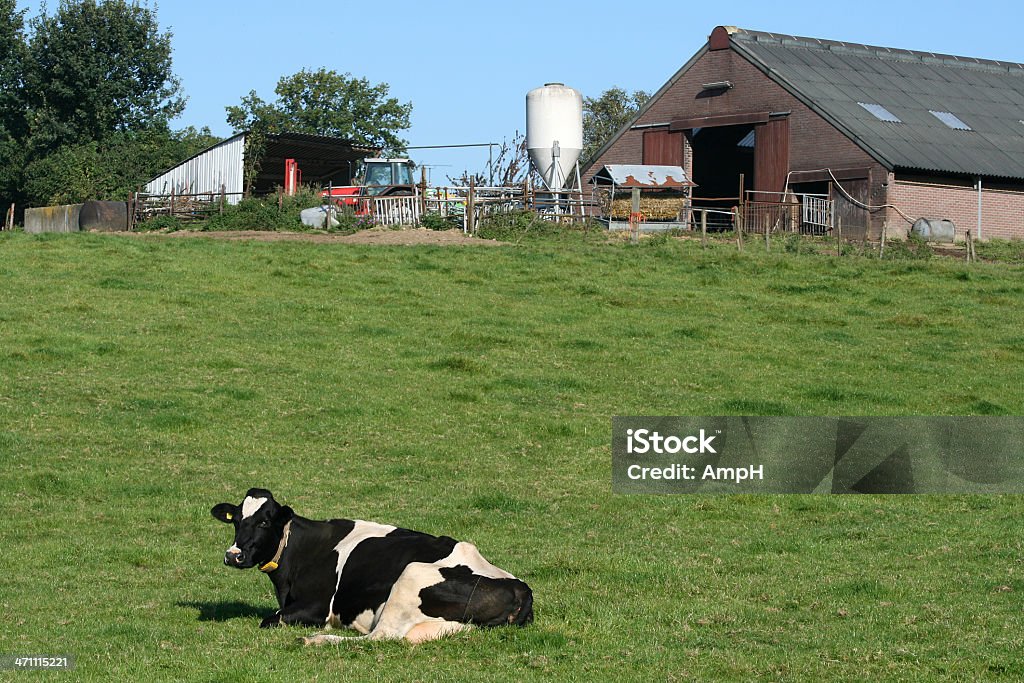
point(234, 557)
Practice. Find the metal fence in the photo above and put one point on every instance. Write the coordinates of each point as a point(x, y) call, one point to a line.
point(807, 214)
point(391, 211)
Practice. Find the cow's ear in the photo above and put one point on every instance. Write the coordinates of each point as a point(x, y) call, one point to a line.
point(225, 512)
point(285, 513)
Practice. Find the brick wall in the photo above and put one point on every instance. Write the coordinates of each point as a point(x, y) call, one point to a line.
point(1002, 210)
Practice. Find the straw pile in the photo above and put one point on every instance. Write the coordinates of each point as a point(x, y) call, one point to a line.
point(653, 208)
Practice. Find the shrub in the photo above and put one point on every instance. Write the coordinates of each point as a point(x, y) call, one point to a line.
point(914, 247)
point(435, 221)
point(516, 225)
point(349, 222)
point(161, 223)
point(264, 214)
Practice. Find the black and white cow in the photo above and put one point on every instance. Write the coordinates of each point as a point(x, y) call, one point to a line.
point(380, 580)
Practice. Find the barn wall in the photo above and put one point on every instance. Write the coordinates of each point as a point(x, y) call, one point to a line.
point(209, 171)
point(1002, 209)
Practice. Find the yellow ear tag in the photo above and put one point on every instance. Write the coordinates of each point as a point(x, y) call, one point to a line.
point(227, 515)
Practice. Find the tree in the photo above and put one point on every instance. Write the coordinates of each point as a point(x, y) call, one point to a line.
point(324, 102)
point(111, 168)
point(96, 69)
point(13, 122)
point(604, 116)
point(508, 167)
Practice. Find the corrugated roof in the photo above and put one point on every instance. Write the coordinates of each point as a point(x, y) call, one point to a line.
point(642, 175)
point(832, 77)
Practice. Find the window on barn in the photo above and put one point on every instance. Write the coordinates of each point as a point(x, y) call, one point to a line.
point(880, 112)
point(950, 120)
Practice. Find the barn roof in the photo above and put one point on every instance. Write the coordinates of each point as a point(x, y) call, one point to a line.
point(910, 110)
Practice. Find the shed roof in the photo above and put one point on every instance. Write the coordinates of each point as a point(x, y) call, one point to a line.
point(643, 176)
point(920, 89)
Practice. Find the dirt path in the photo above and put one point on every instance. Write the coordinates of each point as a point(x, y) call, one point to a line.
point(409, 237)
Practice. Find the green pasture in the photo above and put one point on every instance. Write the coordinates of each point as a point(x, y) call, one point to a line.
point(469, 391)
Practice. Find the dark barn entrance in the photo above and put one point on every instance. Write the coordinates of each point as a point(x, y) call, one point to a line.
point(720, 155)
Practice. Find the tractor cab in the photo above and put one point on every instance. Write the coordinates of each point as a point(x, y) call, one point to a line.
point(385, 177)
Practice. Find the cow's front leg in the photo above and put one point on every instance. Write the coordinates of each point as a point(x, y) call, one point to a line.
point(297, 615)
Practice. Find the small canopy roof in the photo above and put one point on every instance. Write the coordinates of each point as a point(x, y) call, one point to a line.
point(642, 175)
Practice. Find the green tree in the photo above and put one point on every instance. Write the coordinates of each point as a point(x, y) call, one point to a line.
point(324, 102)
point(111, 168)
point(98, 68)
point(604, 116)
point(13, 123)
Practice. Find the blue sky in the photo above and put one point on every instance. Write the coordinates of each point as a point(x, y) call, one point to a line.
point(467, 67)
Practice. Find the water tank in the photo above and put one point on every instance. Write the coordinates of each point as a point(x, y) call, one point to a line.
point(934, 229)
point(103, 216)
point(554, 132)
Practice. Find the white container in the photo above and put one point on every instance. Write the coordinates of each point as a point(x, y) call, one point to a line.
point(554, 132)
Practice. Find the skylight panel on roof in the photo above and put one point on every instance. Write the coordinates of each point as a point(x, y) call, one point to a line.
point(880, 112)
point(950, 120)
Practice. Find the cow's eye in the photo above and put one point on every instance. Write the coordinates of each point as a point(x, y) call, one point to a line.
point(264, 524)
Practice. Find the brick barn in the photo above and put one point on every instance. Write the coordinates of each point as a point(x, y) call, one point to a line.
point(892, 134)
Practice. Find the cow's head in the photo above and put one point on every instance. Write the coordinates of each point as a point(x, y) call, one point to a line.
point(259, 527)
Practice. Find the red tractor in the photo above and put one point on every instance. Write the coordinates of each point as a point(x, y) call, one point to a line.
point(380, 178)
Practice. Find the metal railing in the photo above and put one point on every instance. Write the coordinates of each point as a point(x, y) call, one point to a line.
point(391, 211)
point(808, 214)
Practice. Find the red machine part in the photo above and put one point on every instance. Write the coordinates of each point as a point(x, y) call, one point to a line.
point(292, 176)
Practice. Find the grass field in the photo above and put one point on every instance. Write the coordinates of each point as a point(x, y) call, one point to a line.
point(469, 392)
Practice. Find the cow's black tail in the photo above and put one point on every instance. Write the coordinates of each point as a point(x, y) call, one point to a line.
point(523, 614)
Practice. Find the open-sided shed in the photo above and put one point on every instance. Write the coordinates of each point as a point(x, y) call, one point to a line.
point(223, 168)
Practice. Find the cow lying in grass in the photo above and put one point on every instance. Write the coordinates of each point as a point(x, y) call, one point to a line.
point(385, 582)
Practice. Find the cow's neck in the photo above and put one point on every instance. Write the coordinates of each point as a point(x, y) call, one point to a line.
point(274, 562)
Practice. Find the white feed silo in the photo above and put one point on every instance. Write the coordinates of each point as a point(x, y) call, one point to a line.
point(554, 132)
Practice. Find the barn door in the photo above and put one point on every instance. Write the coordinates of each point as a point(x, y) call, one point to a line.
point(771, 158)
point(662, 148)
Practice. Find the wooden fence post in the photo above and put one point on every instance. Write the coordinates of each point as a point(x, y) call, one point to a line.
point(881, 245)
point(839, 236)
point(738, 223)
point(470, 209)
point(703, 228)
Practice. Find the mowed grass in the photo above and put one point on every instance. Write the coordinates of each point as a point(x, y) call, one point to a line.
point(469, 392)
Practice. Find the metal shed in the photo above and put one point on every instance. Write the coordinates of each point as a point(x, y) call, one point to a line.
point(221, 168)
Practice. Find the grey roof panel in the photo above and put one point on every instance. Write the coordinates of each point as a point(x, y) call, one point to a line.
point(832, 77)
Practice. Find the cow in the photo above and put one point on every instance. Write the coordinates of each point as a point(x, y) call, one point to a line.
point(383, 581)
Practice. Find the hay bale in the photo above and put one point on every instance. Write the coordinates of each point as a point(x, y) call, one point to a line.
point(653, 208)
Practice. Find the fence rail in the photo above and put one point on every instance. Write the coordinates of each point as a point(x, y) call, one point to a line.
point(187, 206)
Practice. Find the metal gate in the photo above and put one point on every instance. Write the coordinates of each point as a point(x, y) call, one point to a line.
point(816, 215)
